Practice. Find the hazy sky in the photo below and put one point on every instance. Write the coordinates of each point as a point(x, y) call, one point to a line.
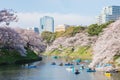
point(73, 12)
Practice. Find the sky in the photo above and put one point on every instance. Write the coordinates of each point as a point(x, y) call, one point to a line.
point(71, 12)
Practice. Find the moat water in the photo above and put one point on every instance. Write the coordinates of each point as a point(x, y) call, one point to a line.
point(45, 71)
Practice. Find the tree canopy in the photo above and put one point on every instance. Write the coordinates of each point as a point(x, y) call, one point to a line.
point(95, 29)
point(7, 16)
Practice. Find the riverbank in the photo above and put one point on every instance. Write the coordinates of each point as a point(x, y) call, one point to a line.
point(84, 52)
point(12, 56)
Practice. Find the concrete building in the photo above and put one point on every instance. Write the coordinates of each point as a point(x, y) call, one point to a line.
point(61, 28)
point(109, 13)
point(35, 29)
point(46, 24)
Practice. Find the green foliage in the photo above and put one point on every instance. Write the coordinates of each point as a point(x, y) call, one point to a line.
point(11, 56)
point(31, 54)
point(71, 31)
point(83, 52)
point(116, 60)
point(48, 36)
point(96, 29)
point(116, 57)
point(109, 22)
point(59, 34)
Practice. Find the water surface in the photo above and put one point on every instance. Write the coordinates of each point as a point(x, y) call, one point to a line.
point(46, 71)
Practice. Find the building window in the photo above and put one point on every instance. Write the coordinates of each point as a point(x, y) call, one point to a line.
point(42, 27)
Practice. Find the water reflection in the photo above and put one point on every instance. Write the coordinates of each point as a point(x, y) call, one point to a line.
point(46, 71)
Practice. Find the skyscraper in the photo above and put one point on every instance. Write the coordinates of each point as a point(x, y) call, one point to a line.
point(109, 13)
point(46, 24)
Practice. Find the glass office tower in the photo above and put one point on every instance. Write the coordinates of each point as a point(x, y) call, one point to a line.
point(109, 13)
point(46, 24)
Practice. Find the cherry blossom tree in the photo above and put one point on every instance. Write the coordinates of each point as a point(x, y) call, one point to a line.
point(10, 39)
point(18, 39)
point(32, 40)
point(107, 45)
point(7, 16)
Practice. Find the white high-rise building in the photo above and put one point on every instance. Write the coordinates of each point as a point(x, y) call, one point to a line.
point(46, 24)
point(109, 13)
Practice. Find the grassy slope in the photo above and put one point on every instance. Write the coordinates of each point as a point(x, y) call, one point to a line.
point(11, 56)
point(79, 52)
point(117, 60)
point(82, 52)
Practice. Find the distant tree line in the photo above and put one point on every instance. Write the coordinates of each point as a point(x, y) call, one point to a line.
point(92, 30)
point(95, 29)
point(49, 37)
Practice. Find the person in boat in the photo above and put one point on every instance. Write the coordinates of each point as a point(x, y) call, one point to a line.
point(69, 63)
point(53, 63)
point(89, 69)
point(92, 69)
point(77, 63)
point(77, 71)
point(113, 71)
point(107, 72)
point(72, 67)
point(82, 67)
point(61, 64)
